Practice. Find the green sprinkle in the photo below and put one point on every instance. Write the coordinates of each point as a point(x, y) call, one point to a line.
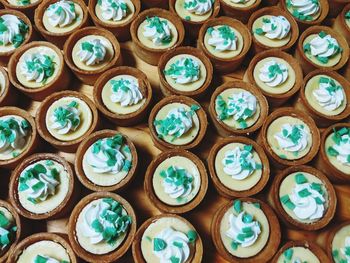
point(192, 236)
point(159, 244)
point(237, 206)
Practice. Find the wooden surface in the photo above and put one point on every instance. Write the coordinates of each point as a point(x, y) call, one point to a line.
point(201, 216)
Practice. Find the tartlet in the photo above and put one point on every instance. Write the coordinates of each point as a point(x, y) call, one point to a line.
point(53, 27)
point(239, 9)
point(150, 44)
point(115, 18)
point(272, 28)
point(123, 95)
point(97, 237)
point(225, 41)
point(342, 23)
point(303, 197)
point(43, 187)
point(27, 7)
point(90, 51)
point(238, 167)
point(65, 118)
point(8, 95)
point(106, 161)
point(37, 69)
point(338, 242)
point(194, 13)
point(233, 219)
point(277, 74)
point(189, 116)
point(14, 150)
point(154, 240)
point(176, 181)
point(325, 96)
point(237, 108)
point(25, 30)
point(185, 71)
point(320, 47)
point(43, 246)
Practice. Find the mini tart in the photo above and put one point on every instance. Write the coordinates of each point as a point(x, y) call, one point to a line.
point(121, 29)
point(228, 126)
point(8, 94)
point(143, 47)
point(142, 246)
point(192, 137)
point(88, 112)
point(327, 161)
point(240, 11)
point(193, 21)
point(89, 74)
point(27, 10)
point(309, 62)
point(308, 103)
point(43, 244)
point(288, 115)
point(261, 42)
point(76, 239)
point(338, 241)
point(303, 250)
point(244, 40)
point(15, 234)
point(90, 178)
point(225, 183)
point(55, 206)
point(32, 140)
point(284, 185)
point(276, 95)
point(6, 55)
point(342, 24)
point(267, 242)
point(59, 79)
point(114, 111)
point(194, 89)
point(154, 182)
point(58, 35)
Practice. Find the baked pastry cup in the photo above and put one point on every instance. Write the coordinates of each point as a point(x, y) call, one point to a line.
point(300, 250)
point(43, 246)
point(37, 69)
point(26, 7)
point(92, 237)
point(91, 51)
point(289, 137)
point(25, 35)
point(177, 122)
point(55, 30)
point(277, 75)
point(185, 71)
point(332, 157)
point(118, 23)
point(176, 181)
point(8, 95)
point(123, 95)
point(229, 226)
point(337, 242)
point(237, 108)
point(324, 95)
point(342, 23)
point(106, 161)
point(303, 197)
point(14, 120)
point(240, 10)
point(238, 167)
point(65, 118)
point(314, 13)
point(225, 41)
point(11, 226)
point(43, 187)
point(154, 240)
point(148, 44)
point(272, 28)
point(193, 17)
point(316, 38)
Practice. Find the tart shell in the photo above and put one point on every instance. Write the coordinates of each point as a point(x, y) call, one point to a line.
point(340, 25)
point(9, 95)
point(242, 14)
point(28, 10)
point(330, 237)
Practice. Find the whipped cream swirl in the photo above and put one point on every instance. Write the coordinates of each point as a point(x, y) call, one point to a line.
point(66, 118)
point(198, 7)
point(177, 182)
point(345, 250)
point(274, 27)
point(341, 147)
point(184, 71)
point(114, 10)
point(37, 67)
point(158, 31)
point(126, 92)
point(46, 259)
point(61, 13)
point(273, 73)
point(92, 52)
point(292, 137)
point(304, 9)
point(329, 95)
point(12, 30)
point(223, 38)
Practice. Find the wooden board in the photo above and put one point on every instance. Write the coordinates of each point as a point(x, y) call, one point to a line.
point(201, 216)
